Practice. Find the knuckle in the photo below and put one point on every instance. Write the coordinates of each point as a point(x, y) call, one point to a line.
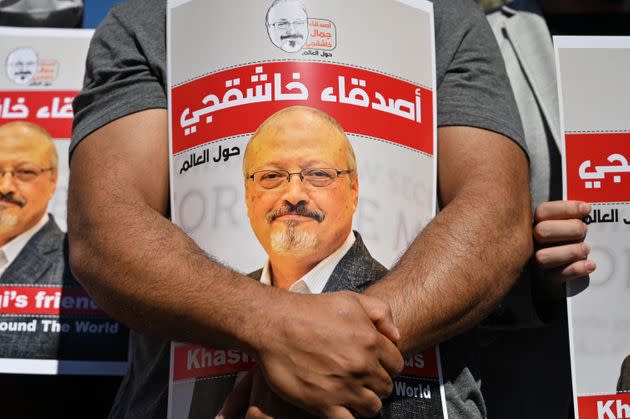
point(542, 257)
point(579, 252)
point(371, 340)
point(578, 226)
point(356, 365)
point(542, 231)
point(375, 405)
point(253, 413)
point(388, 386)
point(540, 212)
point(381, 310)
point(401, 364)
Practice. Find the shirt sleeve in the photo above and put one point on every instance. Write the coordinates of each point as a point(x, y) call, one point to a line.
point(474, 89)
point(124, 70)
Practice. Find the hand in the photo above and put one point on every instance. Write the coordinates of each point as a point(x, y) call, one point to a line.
point(331, 354)
point(559, 234)
point(252, 398)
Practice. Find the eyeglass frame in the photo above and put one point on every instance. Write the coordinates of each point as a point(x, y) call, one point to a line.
point(300, 173)
point(294, 24)
point(13, 171)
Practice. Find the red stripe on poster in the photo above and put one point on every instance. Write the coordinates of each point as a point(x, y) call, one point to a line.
point(192, 361)
point(613, 406)
point(597, 167)
point(422, 364)
point(51, 110)
point(237, 101)
point(33, 300)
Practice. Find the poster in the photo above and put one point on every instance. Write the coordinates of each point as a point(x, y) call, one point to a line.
point(305, 136)
point(594, 91)
point(48, 324)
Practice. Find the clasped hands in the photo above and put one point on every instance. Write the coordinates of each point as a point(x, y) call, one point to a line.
point(336, 355)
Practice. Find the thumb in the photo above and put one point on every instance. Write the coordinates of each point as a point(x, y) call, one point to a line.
point(237, 402)
point(381, 315)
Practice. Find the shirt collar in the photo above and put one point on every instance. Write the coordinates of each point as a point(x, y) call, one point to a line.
point(13, 248)
point(314, 281)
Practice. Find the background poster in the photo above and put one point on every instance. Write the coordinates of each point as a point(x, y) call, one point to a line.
point(48, 324)
point(594, 91)
point(290, 61)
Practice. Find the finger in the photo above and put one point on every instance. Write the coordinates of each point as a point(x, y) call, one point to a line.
point(367, 404)
point(255, 413)
point(559, 231)
point(556, 256)
point(561, 210)
point(390, 358)
point(561, 275)
point(236, 403)
point(337, 412)
point(381, 315)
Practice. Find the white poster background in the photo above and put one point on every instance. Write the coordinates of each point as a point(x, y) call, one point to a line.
point(594, 88)
point(397, 184)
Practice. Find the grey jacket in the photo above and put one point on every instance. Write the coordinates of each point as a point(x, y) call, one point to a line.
point(43, 262)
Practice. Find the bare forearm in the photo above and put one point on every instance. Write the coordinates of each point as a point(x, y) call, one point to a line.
point(467, 258)
point(454, 273)
point(134, 262)
point(168, 288)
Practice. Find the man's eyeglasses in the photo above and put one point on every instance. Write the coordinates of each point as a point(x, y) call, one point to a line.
point(25, 174)
point(283, 25)
point(313, 178)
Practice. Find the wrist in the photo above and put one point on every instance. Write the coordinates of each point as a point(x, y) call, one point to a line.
point(266, 320)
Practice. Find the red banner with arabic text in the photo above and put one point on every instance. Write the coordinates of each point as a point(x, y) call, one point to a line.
point(51, 110)
point(597, 167)
point(614, 406)
point(235, 101)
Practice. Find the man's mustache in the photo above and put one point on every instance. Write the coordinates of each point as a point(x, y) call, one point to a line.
point(12, 200)
point(298, 209)
point(292, 36)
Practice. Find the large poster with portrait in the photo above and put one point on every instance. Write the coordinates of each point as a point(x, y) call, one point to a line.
point(48, 324)
point(594, 92)
point(300, 136)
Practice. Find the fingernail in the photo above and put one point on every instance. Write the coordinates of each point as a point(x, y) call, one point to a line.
point(585, 208)
point(587, 248)
point(590, 266)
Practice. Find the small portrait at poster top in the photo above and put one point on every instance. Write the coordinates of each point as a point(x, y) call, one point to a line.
point(21, 65)
point(287, 24)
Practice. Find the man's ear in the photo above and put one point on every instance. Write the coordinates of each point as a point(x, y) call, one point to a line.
point(54, 177)
point(355, 191)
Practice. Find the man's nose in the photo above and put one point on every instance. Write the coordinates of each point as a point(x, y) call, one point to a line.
point(295, 191)
point(7, 182)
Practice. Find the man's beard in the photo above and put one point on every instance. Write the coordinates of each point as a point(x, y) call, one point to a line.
point(291, 240)
point(8, 222)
